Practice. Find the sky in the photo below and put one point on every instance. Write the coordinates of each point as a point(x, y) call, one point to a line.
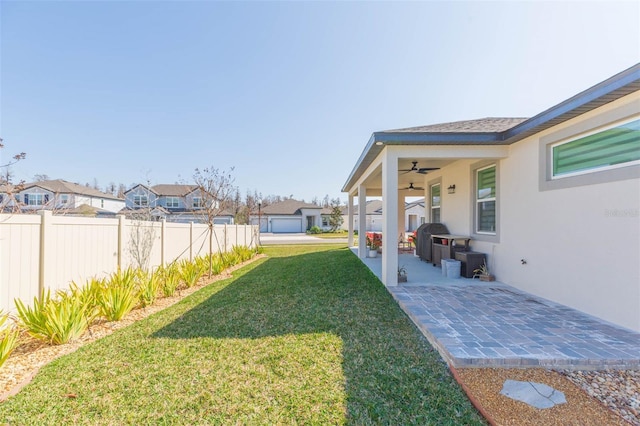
point(285, 93)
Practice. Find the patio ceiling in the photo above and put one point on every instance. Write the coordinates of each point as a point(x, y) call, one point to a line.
point(373, 181)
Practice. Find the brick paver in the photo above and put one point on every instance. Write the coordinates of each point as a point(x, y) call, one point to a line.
point(499, 326)
point(476, 324)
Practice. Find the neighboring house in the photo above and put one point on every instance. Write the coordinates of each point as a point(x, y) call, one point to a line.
point(552, 200)
point(288, 216)
point(414, 214)
point(60, 196)
point(174, 203)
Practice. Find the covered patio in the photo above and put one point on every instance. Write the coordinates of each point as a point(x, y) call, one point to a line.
point(491, 324)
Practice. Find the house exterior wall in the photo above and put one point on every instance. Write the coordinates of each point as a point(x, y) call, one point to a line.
point(315, 214)
point(140, 190)
point(418, 212)
point(580, 244)
point(162, 201)
point(101, 203)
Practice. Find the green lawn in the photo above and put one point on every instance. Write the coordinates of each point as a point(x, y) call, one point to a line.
point(306, 336)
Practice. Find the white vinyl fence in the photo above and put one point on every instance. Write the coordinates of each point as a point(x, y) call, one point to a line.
point(44, 251)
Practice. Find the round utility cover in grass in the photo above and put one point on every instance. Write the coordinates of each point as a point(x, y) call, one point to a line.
point(535, 394)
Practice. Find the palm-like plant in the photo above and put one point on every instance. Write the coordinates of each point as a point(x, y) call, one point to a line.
point(8, 338)
point(119, 295)
point(169, 279)
point(57, 321)
point(190, 272)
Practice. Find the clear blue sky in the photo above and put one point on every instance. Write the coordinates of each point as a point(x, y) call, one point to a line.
point(288, 93)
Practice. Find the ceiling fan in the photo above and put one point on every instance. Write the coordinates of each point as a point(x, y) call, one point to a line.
point(421, 170)
point(413, 188)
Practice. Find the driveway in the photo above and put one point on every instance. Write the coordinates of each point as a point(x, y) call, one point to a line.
point(278, 239)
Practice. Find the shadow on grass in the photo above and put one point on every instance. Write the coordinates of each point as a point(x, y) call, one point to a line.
point(391, 373)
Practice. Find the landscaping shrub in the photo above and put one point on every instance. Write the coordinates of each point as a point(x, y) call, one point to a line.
point(315, 230)
point(191, 272)
point(148, 284)
point(243, 253)
point(57, 321)
point(88, 296)
point(119, 295)
point(8, 337)
point(169, 279)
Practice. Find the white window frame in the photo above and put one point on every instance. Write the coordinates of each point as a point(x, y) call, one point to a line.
point(431, 206)
point(140, 198)
point(36, 196)
point(197, 203)
point(63, 199)
point(172, 202)
point(478, 201)
point(596, 168)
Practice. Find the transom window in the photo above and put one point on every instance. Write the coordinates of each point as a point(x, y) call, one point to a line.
point(435, 203)
point(141, 200)
point(612, 147)
point(173, 202)
point(486, 200)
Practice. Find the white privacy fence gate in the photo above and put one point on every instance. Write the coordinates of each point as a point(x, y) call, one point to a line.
point(44, 251)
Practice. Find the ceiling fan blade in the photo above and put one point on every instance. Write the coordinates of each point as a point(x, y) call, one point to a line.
point(425, 170)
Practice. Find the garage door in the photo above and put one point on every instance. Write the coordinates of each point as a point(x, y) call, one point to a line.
point(286, 225)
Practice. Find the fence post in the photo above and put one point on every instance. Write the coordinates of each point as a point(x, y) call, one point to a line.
point(225, 238)
point(190, 241)
point(163, 229)
point(45, 228)
point(121, 228)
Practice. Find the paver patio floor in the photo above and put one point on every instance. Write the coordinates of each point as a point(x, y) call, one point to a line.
point(474, 324)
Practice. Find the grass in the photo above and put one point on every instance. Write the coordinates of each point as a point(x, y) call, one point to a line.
point(330, 235)
point(306, 336)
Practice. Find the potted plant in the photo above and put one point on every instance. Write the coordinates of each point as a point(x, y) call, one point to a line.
point(483, 273)
point(373, 245)
point(402, 274)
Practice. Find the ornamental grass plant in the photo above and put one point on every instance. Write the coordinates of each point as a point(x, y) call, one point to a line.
point(55, 320)
point(8, 337)
point(119, 295)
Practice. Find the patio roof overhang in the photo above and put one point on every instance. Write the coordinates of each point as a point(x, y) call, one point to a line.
point(619, 85)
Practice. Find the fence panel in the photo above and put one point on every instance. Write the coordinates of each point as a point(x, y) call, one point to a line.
point(78, 249)
point(179, 234)
point(46, 251)
point(19, 258)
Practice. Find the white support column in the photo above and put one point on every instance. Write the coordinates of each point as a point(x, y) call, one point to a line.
point(401, 217)
point(350, 221)
point(362, 222)
point(390, 219)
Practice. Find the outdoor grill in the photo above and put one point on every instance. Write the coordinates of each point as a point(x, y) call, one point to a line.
point(423, 243)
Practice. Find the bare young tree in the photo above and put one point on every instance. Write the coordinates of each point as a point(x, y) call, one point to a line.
point(216, 189)
point(143, 232)
point(9, 189)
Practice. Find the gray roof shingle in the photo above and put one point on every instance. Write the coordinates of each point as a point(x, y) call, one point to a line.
point(288, 207)
point(482, 125)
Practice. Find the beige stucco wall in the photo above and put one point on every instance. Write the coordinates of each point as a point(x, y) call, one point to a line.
point(581, 244)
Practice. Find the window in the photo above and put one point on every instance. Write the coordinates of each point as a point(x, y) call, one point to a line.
point(435, 203)
point(609, 148)
point(173, 202)
point(36, 199)
point(64, 199)
point(197, 202)
point(485, 194)
point(140, 200)
point(325, 221)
